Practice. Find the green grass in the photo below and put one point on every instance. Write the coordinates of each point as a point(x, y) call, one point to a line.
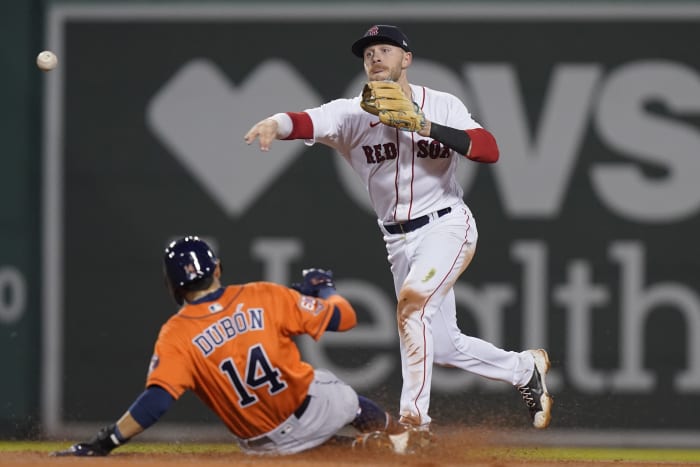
point(505, 453)
point(166, 448)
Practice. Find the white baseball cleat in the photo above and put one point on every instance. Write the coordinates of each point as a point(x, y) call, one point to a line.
point(538, 400)
point(410, 441)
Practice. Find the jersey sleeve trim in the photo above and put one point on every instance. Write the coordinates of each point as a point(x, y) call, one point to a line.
point(347, 318)
point(166, 386)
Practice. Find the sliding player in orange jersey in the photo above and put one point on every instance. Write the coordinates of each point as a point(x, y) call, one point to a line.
point(232, 346)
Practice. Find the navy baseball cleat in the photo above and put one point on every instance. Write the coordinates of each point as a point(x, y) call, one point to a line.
point(534, 393)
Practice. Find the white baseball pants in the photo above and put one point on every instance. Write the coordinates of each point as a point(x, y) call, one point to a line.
point(425, 264)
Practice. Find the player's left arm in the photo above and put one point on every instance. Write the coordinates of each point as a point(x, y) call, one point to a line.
point(477, 144)
point(459, 131)
point(144, 412)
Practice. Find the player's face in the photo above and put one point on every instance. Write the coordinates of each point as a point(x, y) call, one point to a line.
point(385, 62)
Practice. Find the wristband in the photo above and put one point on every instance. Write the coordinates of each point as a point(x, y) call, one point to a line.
point(107, 439)
point(453, 138)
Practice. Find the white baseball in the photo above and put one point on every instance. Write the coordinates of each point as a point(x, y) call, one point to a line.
point(46, 60)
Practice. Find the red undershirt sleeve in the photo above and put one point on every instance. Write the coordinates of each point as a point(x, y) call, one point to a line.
point(483, 146)
point(302, 126)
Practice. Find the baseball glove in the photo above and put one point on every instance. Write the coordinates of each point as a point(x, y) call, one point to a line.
point(386, 100)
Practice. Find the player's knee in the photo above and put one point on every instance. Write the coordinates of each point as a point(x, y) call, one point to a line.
point(410, 301)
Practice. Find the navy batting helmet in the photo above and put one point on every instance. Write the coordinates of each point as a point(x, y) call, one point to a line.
point(187, 261)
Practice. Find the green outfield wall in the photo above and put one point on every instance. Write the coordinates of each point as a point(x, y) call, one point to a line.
point(21, 29)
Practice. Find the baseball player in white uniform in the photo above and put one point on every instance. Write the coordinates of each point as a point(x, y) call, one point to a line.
point(429, 231)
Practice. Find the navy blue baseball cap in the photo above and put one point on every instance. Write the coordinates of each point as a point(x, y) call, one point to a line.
point(381, 34)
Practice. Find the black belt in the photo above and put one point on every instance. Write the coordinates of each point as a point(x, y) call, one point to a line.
point(297, 413)
point(417, 223)
point(302, 407)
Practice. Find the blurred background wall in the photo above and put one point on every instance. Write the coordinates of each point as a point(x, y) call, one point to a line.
point(21, 32)
point(588, 224)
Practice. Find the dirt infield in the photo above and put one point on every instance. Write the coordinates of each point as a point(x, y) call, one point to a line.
point(454, 447)
point(318, 458)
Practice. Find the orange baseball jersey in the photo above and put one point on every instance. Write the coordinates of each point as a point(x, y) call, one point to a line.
point(237, 355)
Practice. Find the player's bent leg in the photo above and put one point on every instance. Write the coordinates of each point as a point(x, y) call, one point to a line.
point(526, 370)
point(332, 405)
point(454, 349)
point(478, 356)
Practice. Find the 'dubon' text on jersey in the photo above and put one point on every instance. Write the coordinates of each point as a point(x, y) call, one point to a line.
point(234, 350)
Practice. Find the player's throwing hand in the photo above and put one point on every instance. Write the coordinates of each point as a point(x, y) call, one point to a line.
point(265, 131)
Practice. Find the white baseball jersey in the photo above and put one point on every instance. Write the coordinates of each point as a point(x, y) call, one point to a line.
point(419, 177)
point(408, 176)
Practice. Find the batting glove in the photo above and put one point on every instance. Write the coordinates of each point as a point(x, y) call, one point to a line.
point(316, 283)
point(100, 445)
